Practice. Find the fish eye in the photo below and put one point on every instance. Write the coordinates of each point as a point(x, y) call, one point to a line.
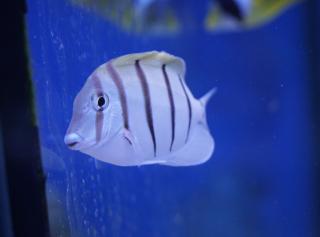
point(100, 101)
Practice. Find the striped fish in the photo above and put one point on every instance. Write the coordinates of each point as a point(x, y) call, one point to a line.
point(137, 110)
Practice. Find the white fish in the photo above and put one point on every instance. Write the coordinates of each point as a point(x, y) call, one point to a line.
point(137, 110)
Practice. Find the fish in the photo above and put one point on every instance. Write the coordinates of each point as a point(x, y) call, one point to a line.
point(137, 110)
point(235, 15)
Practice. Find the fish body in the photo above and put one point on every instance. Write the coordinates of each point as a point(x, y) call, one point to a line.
point(137, 110)
point(232, 15)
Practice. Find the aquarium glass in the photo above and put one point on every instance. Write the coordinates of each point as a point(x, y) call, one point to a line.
point(259, 179)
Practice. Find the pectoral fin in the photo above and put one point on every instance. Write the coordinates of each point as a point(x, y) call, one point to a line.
point(132, 141)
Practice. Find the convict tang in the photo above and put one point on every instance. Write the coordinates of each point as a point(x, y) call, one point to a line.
point(137, 110)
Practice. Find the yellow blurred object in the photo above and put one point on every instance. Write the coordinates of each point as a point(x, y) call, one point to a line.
point(147, 16)
point(260, 12)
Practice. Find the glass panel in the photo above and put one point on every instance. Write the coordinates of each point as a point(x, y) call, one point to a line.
point(258, 181)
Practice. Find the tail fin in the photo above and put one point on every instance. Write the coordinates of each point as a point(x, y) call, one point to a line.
point(204, 101)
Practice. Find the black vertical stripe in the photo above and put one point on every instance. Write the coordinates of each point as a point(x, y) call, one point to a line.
point(189, 107)
point(172, 107)
point(123, 98)
point(99, 125)
point(148, 108)
point(99, 114)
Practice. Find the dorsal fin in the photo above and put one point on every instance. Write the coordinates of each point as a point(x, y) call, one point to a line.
point(153, 58)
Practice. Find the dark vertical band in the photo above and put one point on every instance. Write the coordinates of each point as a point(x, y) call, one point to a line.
point(148, 108)
point(172, 107)
point(189, 107)
point(123, 99)
point(99, 125)
point(99, 114)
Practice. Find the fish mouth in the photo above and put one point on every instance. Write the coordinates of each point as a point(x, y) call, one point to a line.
point(74, 141)
point(81, 146)
point(72, 145)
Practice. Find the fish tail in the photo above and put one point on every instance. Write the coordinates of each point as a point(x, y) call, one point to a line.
point(204, 101)
point(205, 98)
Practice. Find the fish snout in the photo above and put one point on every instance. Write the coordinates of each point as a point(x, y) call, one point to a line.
point(72, 140)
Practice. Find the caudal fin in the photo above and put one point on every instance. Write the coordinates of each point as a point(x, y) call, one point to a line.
point(204, 101)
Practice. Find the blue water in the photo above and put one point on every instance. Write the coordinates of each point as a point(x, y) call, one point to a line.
point(258, 182)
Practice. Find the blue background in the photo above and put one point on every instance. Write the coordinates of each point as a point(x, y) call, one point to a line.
point(259, 180)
